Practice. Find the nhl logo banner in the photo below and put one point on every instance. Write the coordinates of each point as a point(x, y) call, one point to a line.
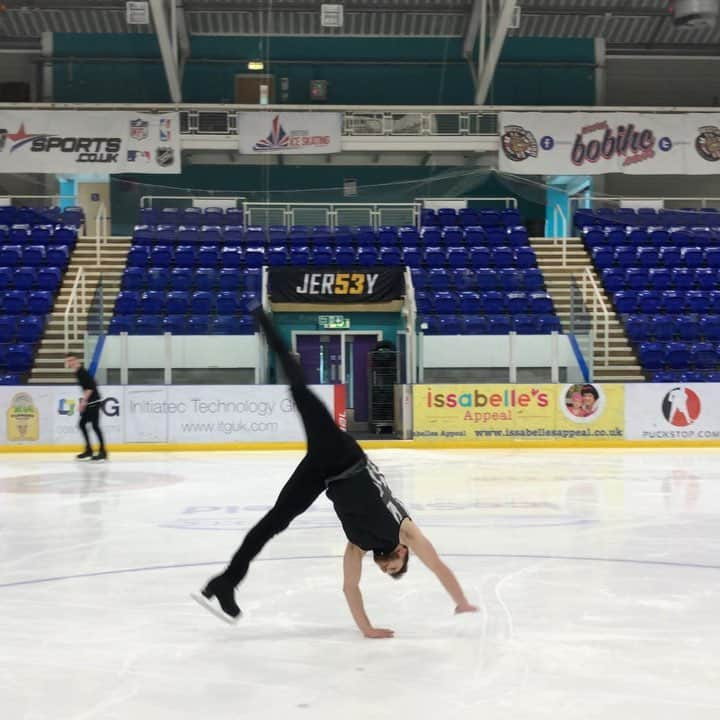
point(336, 286)
point(272, 133)
point(72, 141)
point(598, 143)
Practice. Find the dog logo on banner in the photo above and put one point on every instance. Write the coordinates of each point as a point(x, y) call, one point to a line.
point(139, 129)
point(518, 144)
point(707, 143)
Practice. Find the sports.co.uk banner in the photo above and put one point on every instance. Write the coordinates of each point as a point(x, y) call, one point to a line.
point(597, 143)
point(271, 133)
point(338, 286)
point(64, 141)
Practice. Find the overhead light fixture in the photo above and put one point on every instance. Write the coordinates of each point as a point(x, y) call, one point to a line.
point(256, 65)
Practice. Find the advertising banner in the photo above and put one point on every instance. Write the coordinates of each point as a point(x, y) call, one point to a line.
point(66, 415)
point(26, 415)
point(596, 143)
point(659, 411)
point(338, 286)
point(518, 412)
point(271, 133)
point(68, 141)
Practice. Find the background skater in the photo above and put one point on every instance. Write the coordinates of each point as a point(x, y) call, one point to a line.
point(89, 409)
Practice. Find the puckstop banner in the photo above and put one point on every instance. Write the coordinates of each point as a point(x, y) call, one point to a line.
point(269, 133)
point(70, 141)
point(336, 286)
point(597, 143)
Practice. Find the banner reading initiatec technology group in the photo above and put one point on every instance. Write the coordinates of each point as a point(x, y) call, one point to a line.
point(77, 142)
point(269, 133)
point(518, 412)
point(597, 143)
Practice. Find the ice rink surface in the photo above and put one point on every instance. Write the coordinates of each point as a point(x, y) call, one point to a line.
point(597, 575)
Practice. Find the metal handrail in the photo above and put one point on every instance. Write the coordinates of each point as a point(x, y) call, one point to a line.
point(593, 299)
point(510, 202)
point(150, 198)
point(576, 200)
point(77, 303)
point(101, 231)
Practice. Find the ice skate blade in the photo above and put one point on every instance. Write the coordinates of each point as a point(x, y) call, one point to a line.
point(217, 611)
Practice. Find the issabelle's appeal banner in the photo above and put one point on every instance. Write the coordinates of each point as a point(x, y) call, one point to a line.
point(272, 133)
point(336, 285)
point(597, 143)
point(113, 141)
point(484, 413)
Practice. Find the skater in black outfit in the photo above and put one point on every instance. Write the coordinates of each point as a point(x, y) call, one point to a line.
point(89, 409)
point(371, 517)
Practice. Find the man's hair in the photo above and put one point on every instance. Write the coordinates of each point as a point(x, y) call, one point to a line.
point(590, 390)
point(71, 355)
point(399, 574)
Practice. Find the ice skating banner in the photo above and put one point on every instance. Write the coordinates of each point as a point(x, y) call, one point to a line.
point(484, 413)
point(270, 133)
point(317, 285)
point(596, 143)
point(66, 415)
point(677, 412)
point(69, 141)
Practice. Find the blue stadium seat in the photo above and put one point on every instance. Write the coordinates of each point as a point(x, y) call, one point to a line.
point(277, 256)
point(249, 299)
point(180, 279)
point(502, 257)
point(625, 256)
point(211, 235)
point(490, 218)
point(365, 235)
point(525, 258)
point(134, 278)
point(148, 325)
point(24, 278)
point(659, 237)
point(688, 327)
point(234, 216)
point(493, 302)
point(649, 301)
point(603, 257)
point(697, 301)
point(659, 279)
point(692, 257)
point(704, 356)
point(39, 302)
point(225, 325)
point(174, 324)
point(34, 255)
point(525, 324)
point(548, 324)
point(672, 301)
point(254, 256)
point(670, 256)
point(170, 216)
point(323, 234)
point(156, 278)
point(638, 237)
point(227, 302)
point(475, 325)
point(73, 215)
point(447, 216)
point(664, 376)
point(637, 328)
point(408, 235)
point(652, 356)
point(423, 302)
point(714, 297)
point(137, 256)
point(343, 236)
point(205, 279)
point(213, 216)
point(594, 238)
point(534, 279)
point(300, 255)
point(692, 376)
point(14, 302)
point(197, 324)
point(613, 279)
point(20, 234)
point(498, 324)
point(190, 216)
point(322, 256)
point(185, 256)
point(682, 278)
point(6, 278)
point(30, 329)
point(453, 236)
point(367, 256)
point(712, 257)
point(201, 302)
point(178, 302)
point(541, 303)
point(480, 257)
point(468, 217)
point(299, 235)
point(469, 303)
point(253, 279)
point(430, 236)
point(706, 278)
point(486, 278)
point(616, 237)
point(677, 355)
point(517, 303)
point(713, 377)
point(475, 236)
point(57, 256)
point(162, 255)
point(438, 279)
point(231, 257)
point(511, 279)
point(42, 234)
point(233, 235)
point(428, 216)
point(411, 256)
point(445, 302)
point(149, 216)
point(208, 256)
point(127, 302)
point(457, 257)
point(710, 328)
point(450, 325)
point(8, 326)
point(435, 256)
point(121, 323)
point(345, 256)
point(255, 235)
point(429, 324)
point(464, 279)
point(188, 234)
point(661, 327)
point(648, 257)
point(18, 358)
point(390, 256)
point(625, 301)
point(152, 302)
point(165, 233)
point(518, 237)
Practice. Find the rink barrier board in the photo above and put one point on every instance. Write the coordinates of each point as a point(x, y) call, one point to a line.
point(261, 418)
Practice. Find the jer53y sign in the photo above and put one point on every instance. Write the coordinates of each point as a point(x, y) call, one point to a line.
point(518, 412)
point(336, 286)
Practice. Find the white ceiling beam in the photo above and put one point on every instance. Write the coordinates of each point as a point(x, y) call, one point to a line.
point(183, 35)
point(489, 63)
point(164, 37)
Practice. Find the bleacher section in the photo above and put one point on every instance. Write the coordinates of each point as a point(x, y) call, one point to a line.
point(194, 271)
point(35, 249)
point(662, 270)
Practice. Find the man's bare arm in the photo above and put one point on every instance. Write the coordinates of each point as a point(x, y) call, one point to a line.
point(352, 570)
point(412, 536)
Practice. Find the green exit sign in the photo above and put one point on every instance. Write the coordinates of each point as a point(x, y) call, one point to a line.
point(333, 322)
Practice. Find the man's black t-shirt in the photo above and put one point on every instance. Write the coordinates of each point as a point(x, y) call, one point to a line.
point(87, 382)
point(369, 513)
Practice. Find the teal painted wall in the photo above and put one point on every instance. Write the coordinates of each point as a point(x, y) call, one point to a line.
point(412, 71)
